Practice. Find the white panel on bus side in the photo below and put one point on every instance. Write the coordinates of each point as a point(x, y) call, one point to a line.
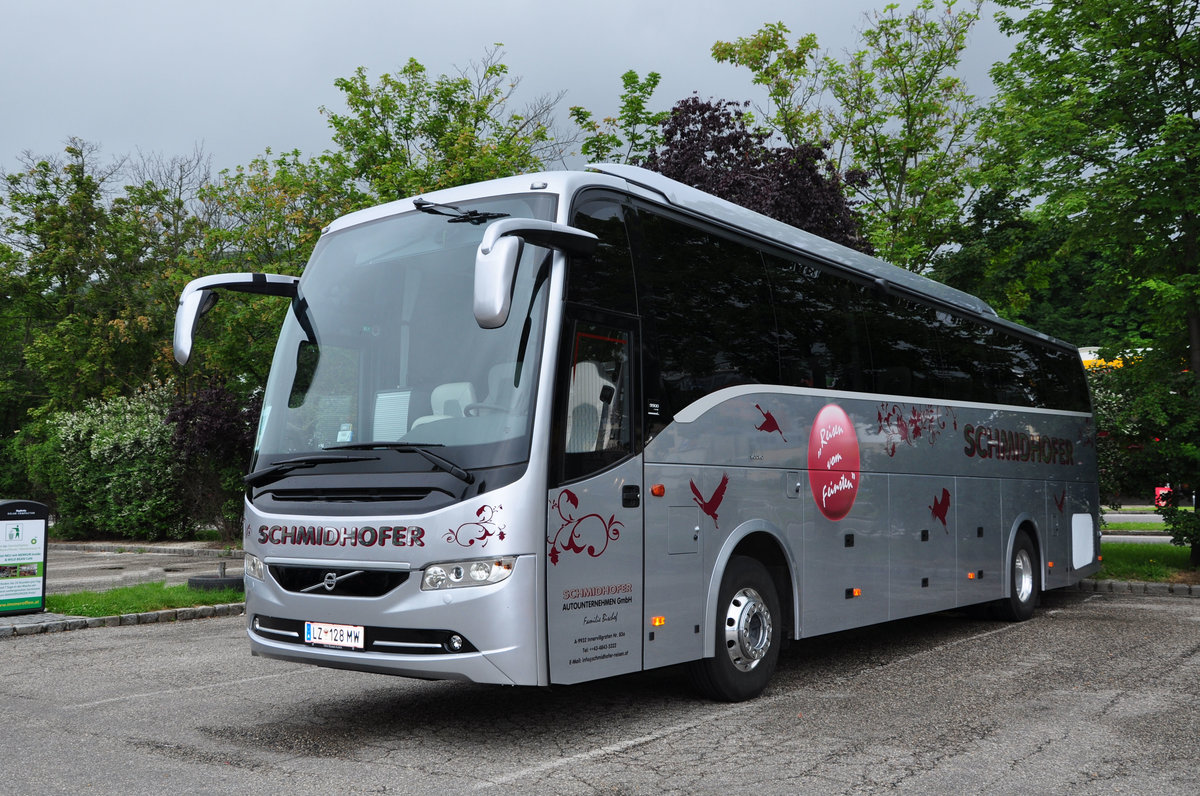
point(1083, 540)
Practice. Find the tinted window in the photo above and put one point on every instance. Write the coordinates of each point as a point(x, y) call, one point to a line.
point(718, 312)
point(711, 307)
point(905, 355)
point(605, 279)
point(822, 343)
point(965, 368)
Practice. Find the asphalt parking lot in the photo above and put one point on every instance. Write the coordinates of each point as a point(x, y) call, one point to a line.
point(1098, 693)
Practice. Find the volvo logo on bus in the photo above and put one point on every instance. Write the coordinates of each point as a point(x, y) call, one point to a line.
point(331, 580)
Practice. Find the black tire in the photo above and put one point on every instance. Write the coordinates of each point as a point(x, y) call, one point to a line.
point(216, 582)
point(1023, 576)
point(748, 633)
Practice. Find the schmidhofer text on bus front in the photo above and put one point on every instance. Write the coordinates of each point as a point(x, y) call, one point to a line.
point(366, 536)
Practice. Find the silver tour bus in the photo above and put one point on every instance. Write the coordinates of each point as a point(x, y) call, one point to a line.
point(571, 425)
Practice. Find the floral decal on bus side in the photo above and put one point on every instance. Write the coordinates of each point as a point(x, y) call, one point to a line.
point(589, 534)
point(484, 528)
point(833, 462)
point(909, 424)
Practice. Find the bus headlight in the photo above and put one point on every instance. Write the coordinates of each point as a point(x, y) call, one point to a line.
point(458, 574)
point(253, 566)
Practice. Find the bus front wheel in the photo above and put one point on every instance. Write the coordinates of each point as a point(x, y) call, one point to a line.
point(747, 634)
point(1023, 580)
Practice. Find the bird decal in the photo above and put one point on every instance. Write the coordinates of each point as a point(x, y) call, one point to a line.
point(941, 506)
point(1060, 500)
point(709, 506)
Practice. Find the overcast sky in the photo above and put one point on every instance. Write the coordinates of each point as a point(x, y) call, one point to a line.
point(238, 76)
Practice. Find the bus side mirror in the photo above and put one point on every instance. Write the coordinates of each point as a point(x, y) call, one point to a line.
point(191, 307)
point(500, 251)
point(495, 270)
point(198, 298)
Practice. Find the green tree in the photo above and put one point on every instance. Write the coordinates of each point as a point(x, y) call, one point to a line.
point(60, 223)
point(633, 135)
point(85, 271)
point(265, 216)
point(1096, 116)
point(893, 110)
point(1096, 119)
point(1149, 435)
point(410, 133)
point(1025, 264)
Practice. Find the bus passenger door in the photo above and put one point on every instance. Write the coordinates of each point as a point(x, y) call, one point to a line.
point(594, 521)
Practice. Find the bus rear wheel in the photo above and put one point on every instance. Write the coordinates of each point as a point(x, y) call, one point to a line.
point(747, 634)
point(1022, 580)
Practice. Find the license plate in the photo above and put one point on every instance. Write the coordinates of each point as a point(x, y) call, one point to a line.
point(328, 635)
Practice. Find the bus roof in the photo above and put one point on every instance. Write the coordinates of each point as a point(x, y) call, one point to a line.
point(663, 190)
point(722, 211)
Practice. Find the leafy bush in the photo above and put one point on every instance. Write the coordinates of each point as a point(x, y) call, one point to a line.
point(1184, 525)
point(109, 469)
point(212, 434)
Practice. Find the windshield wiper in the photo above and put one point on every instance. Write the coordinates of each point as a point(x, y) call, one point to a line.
point(407, 447)
point(271, 472)
point(456, 216)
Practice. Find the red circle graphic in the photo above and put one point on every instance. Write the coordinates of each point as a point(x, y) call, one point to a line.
point(833, 462)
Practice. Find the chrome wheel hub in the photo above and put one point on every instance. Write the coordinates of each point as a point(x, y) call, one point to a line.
point(1023, 575)
point(747, 629)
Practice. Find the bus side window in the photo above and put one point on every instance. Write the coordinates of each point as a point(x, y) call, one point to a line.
point(708, 300)
point(597, 423)
point(822, 343)
point(605, 279)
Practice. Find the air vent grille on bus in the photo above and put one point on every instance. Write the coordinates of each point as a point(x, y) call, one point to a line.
point(337, 582)
point(351, 494)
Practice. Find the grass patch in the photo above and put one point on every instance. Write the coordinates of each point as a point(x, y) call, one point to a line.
point(1157, 527)
point(137, 599)
point(1150, 562)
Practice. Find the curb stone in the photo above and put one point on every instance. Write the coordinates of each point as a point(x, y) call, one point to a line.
point(1138, 587)
point(55, 623)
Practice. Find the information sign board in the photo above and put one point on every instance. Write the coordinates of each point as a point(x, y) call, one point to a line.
point(22, 556)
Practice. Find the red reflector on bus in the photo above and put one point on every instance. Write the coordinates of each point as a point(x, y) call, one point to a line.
point(970, 576)
point(1050, 564)
point(658, 490)
point(658, 621)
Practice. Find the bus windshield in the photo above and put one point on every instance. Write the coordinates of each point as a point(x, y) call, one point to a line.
point(382, 345)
